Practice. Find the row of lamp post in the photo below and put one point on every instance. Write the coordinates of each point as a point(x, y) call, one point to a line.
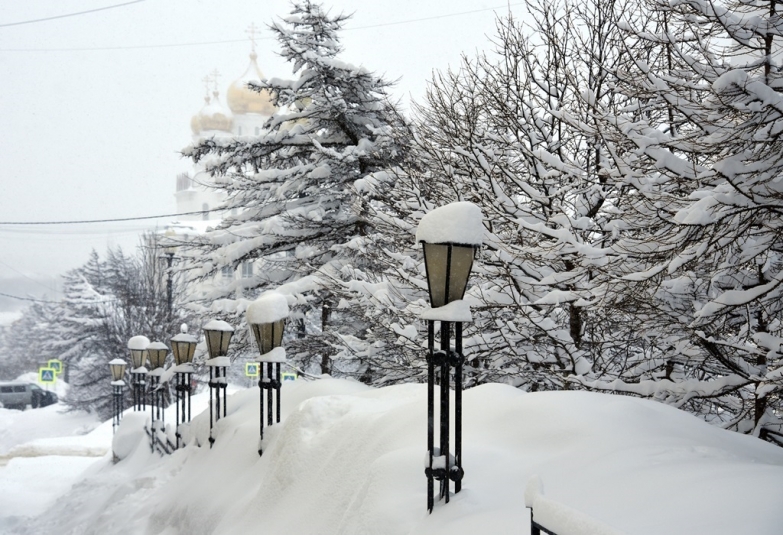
point(266, 319)
point(144, 352)
point(450, 237)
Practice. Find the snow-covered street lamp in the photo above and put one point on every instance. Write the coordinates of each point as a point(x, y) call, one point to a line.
point(138, 350)
point(117, 368)
point(156, 355)
point(450, 236)
point(183, 346)
point(218, 334)
point(266, 318)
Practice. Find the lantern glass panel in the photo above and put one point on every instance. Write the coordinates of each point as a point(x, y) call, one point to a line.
point(435, 261)
point(224, 341)
point(117, 371)
point(277, 337)
point(217, 342)
point(138, 356)
point(268, 335)
point(461, 262)
point(183, 352)
point(157, 357)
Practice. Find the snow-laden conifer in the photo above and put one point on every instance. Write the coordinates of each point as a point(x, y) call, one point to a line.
point(299, 214)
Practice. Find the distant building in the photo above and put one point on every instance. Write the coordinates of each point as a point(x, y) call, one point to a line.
point(245, 115)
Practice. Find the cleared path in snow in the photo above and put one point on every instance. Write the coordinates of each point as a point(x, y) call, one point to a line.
point(43, 452)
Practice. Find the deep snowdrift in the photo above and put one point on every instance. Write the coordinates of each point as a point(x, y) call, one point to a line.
point(348, 459)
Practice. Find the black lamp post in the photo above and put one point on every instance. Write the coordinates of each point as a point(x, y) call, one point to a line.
point(156, 354)
point(169, 253)
point(138, 349)
point(117, 368)
point(450, 236)
point(183, 346)
point(218, 334)
point(266, 318)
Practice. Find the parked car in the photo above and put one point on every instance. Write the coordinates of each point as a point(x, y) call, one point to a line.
point(16, 395)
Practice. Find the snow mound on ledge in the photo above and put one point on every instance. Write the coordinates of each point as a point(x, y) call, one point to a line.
point(347, 460)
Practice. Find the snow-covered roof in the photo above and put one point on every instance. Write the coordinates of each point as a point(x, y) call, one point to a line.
point(268, 308)
point(458, 222)
point(218, 325)
point(138, 342)
point(157, 345)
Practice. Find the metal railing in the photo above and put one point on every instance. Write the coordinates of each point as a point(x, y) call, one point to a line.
point(156, 444)
point(565, 519)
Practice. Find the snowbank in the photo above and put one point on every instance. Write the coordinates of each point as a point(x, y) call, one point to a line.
point(347, 459)
point(20, 427)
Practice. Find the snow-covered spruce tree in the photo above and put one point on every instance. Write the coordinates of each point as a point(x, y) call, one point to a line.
point(24, 345)
point(708, 174)
point(299, 214)
point(105, 303)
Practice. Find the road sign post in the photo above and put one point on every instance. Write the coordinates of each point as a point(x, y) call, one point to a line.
point(47, 375)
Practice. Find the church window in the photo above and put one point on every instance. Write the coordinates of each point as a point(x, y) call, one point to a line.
point(247, 269)
point(226, 272)
point(258, 130)
point(239, 130)
point(205, 209)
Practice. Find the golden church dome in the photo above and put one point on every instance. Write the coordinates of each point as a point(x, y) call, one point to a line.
point(241, 99)
point(213, 116)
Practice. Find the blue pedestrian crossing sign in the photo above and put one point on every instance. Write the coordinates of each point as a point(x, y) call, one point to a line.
point(288, 376)
point(251, 369)
point(47, 375)
point(56, 365)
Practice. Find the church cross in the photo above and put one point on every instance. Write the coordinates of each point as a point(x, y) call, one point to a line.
point(251, 33)
point(215, 75)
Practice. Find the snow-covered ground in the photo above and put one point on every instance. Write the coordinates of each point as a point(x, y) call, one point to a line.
point(42, 453)
point(348, 459)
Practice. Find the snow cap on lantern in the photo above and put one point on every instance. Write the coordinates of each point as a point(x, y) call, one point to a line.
point(117, 367)
point(450, 235)
point(458, 222)
point(218, 334)
point(183, 346)
point(266, 318)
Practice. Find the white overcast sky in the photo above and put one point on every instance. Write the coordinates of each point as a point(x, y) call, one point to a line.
point(92, 134)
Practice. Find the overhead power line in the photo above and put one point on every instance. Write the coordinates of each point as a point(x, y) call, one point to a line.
point(54, 302)
point(69, 14)
point(202, 43)
point(26, 298)
point(83, 221)
point(25, 276)
point(434, 17)
point(129, 47)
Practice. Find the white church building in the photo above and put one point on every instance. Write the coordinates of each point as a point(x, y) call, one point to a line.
point(244, 114)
